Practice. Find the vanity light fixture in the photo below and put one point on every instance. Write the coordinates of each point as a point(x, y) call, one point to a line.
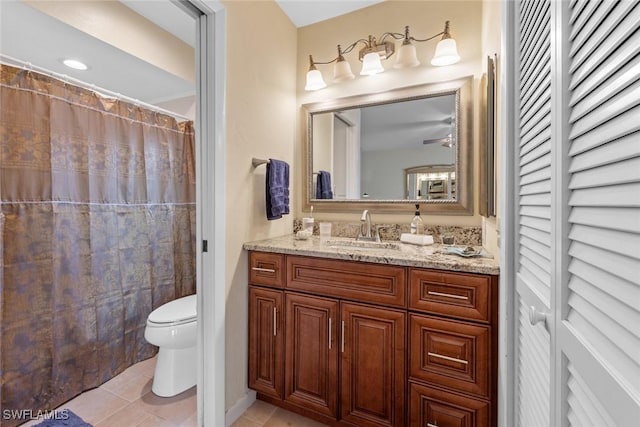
point(375, 51)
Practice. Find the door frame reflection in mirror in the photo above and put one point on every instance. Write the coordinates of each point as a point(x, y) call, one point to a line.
point(463, 125)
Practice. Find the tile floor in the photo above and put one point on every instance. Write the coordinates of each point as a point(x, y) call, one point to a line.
point(127, 401)
point(263, 414)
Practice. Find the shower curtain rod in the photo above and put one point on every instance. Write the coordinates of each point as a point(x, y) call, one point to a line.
point(8, 60)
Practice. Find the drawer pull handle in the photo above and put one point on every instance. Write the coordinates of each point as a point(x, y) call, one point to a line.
point(451, 359)
point(342, 336)
point(275, 321)
point(441, 294)
point(329, 333)
point(263, 270)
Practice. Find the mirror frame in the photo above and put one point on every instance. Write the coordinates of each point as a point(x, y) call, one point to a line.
point(462, 205)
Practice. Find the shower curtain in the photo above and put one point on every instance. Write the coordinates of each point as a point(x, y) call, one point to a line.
point(97, 229)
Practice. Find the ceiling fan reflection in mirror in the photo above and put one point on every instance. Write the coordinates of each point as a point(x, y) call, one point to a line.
point(447, 141)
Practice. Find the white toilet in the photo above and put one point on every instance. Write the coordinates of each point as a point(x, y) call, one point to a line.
point(172, 327)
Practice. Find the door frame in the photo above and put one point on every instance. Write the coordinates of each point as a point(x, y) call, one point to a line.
point(210, 209)
point(508, 197)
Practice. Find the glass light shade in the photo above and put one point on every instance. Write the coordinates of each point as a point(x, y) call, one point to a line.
point(371, 64)
point(407, 56)
point(75, 64)
point(342, 71)
point(315, 80)
point(446, 53)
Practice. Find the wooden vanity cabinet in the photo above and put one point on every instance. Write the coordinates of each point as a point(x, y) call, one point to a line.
point(355, 344)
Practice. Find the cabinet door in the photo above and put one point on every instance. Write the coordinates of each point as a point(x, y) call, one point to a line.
point(372, 365)
point(266, 341)
point(311, 360)
point(430, 407)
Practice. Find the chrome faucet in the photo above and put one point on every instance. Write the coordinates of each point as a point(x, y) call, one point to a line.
point(365, 227)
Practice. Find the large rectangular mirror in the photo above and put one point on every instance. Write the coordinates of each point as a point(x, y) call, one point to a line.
point(391, 150)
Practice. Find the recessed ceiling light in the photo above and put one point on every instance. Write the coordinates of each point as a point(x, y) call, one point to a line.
point(75, 64)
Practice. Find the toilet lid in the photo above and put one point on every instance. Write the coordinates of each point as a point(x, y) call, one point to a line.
point(179, 310)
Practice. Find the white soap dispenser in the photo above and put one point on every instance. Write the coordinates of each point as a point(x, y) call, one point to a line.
point(417, 226)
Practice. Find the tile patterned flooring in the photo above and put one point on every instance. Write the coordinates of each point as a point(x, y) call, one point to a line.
point(263, 414)
point(127, 401)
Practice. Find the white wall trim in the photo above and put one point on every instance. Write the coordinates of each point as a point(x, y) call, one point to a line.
point(239, 407)
point(507, 312)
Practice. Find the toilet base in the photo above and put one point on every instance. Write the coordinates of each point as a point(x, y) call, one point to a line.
point(175, 371)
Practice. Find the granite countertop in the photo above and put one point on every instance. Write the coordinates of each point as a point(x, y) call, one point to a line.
point(433, 256)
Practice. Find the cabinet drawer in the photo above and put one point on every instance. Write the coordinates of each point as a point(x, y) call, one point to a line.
point(465, 296)
point(266, 269)
point(375, 283)
point(430, 407)
point(450, 353)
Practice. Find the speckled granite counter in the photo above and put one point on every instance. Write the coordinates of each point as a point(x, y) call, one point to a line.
point(405, 254)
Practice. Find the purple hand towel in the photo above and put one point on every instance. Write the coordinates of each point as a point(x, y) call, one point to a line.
point(277, 189)
point(323, 186)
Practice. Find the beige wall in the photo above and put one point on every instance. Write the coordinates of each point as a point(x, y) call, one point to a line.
point(260, 120)
point(425, 18)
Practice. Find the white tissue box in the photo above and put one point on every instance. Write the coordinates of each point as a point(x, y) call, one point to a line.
point(416, 239)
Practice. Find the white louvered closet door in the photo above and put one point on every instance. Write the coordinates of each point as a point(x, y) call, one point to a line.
point(578, 213)
point(598, 337)
point(533, 212)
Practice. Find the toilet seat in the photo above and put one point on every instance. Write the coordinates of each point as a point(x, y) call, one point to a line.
point(176, 312)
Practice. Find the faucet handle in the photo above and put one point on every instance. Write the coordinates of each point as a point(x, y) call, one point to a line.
point(381, 227)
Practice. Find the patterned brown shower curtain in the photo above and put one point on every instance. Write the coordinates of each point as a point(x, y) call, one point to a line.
point(97, 229)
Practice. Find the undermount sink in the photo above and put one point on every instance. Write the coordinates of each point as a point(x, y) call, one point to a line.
point(362, 244)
